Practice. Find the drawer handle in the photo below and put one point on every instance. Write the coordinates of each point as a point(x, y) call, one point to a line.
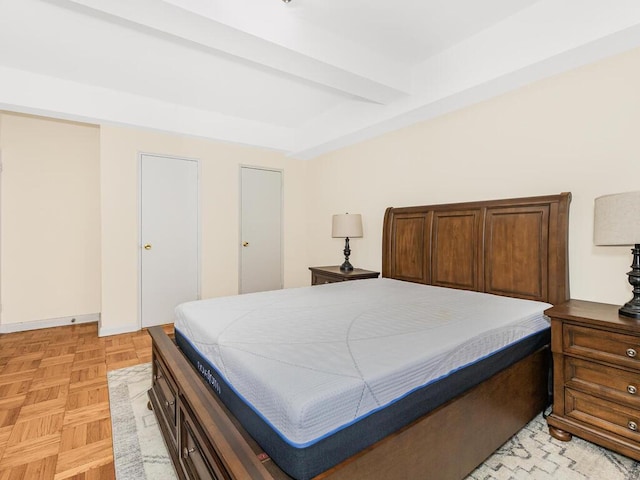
point(632, 389)
point(168, 403)
point(633, 426)
point(186, 451)
point(631, 352)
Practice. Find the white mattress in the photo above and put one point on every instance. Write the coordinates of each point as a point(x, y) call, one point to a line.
point(313, 360)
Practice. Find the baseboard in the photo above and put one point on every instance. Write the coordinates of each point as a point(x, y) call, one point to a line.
point(49, 322)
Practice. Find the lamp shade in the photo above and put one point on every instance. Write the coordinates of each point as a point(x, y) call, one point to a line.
point(347, 225)
point(617, 219)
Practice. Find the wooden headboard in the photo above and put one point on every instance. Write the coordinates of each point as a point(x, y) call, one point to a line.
point(515, 247)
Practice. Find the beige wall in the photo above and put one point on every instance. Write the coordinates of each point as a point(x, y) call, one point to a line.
point(69, 198)
point(219, 187)
point(70, 218)
point(575, 132)
point(50, 214)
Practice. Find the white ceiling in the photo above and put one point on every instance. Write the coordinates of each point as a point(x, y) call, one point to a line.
point(305, 77)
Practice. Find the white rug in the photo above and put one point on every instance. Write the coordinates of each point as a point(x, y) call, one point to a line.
point(532, 454)
point(138, 449)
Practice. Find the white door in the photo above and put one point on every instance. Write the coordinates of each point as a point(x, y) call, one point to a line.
point(261, 230)
point(169, 265)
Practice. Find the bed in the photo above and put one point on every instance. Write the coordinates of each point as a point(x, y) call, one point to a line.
point(510, 248)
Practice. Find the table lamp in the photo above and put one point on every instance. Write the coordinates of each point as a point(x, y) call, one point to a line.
point(617, 222)
point(346, 226)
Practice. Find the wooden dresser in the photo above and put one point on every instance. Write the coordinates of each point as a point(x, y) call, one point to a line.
point(596, 368)
point(332, 274)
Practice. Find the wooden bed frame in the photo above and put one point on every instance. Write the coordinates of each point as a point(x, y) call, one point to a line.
point(515, 247)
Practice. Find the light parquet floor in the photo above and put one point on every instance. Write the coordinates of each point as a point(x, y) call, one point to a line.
point(54, 400)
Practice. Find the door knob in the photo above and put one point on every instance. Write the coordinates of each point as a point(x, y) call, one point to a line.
point(147, 246)
point(245, 244)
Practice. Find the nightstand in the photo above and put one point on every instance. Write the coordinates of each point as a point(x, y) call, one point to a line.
point(596, 369)
point(332, 274)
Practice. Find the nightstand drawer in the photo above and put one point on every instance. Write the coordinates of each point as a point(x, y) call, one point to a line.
point(317, 279)
point(613, 383)
point(609, 416)
point(603, 345)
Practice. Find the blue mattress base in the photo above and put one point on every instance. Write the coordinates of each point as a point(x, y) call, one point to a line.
point(305, 463)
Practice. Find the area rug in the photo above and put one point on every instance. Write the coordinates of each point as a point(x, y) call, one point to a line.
point(138, 449)
point(532, 454)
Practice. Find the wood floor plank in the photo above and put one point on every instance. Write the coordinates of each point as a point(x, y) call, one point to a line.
point(45, 400)
point(84, 458)
point(79, 435)
point(9, 413)
point(122, 359)
point(60, 350)
point(88, 377)
point(41, 469)
point(23, 364)
point(16, 454)
point(87, 397)
point(101, 472)
point(54, 401)
point(51, 360)
point(119, 343)
point(13, 384)
point(31, 428)
point(87, 414)
point(90, 356)
point(27, 348)
point(52, 375)
point(89, 342)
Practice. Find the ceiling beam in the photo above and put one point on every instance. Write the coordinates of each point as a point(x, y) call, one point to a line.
point(484, 66)
point(31, 93)
point(165, 19)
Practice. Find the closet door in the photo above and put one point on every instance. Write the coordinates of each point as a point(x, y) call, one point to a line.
point(169, 260)
point(261, 229)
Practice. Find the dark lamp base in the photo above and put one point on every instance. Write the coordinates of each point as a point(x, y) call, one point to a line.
point(632, 307)
point(346, 267)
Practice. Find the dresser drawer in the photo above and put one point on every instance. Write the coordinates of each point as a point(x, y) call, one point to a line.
point(613, 383)
point(602, 414)
point(603, 345)
point(198, 459)
point(166, 392)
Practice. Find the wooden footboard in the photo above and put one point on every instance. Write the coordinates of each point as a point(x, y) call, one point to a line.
point(206, 441)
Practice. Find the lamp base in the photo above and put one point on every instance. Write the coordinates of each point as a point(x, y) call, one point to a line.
point(346, 267)
point(630, 310)
point(632, 307)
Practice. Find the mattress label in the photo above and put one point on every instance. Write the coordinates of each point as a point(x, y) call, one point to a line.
point(208, 376)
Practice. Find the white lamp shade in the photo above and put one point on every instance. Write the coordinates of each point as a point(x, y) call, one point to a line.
point(347, 225)
point(617, 219)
